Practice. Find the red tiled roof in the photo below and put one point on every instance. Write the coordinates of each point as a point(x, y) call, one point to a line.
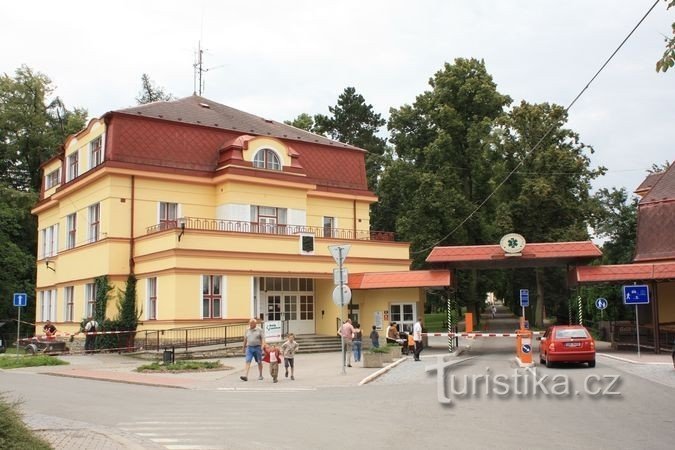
point(536, 254)
point(655, 237)
point(648, 183)
point(623, 272)
point(416, 278)
point(663, 189)
point(160, 141)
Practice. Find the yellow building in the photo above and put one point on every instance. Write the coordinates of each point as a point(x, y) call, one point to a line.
point(222, 216)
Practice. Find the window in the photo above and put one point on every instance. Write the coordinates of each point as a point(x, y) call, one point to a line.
point(48, 305)
point(94, 222)
point(328, 226)
point(50, 241)
point(73, 165)
point(69, 301)
point(211, 296)
point(267, 219)
point(290, 307)
point(306, 307)
point(90, 299)
point(53, 178)
point(168, 214)
point(71, 229)
point(95, 152)
point(152, 299)
point(267, 159)
point(404, 315)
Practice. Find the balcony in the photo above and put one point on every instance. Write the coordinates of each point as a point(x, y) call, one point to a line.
point(235, 226)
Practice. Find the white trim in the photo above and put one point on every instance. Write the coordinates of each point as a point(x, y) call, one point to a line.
point(201, 296)
point(223, 297)
point(253, 298)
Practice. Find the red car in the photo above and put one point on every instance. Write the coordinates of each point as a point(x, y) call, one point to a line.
point(568, 344)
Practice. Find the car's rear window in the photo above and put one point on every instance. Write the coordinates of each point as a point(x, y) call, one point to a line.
point(570, 333)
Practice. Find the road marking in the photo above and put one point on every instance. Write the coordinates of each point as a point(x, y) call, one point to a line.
point(191, 447)
point(270, 389)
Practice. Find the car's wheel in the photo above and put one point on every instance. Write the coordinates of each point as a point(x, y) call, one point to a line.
point(541, 359)
point(549, 363)
point(31, 349)
point(591, 363)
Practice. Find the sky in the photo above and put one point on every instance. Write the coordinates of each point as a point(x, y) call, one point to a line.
point(278, 59)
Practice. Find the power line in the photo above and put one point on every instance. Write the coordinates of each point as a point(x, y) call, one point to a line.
point(550, 129)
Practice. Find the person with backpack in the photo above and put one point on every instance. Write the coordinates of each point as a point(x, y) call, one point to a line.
point(90, 330)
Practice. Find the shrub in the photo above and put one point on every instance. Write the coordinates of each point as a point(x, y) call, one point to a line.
point(13, 432)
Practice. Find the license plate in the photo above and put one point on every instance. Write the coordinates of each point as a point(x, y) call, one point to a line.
point(572, 344)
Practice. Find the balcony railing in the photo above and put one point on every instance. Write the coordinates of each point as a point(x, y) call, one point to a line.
point(236, 226)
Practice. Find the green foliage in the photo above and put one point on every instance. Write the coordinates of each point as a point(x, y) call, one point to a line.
point(17, 250)
point(15, 362)
point(14, 435)
point(304, 121)
point(32, 127)
point(354, 122)
point(383, 349)
point(103, 289)
point(181, 366)
point(128, 312)
point(616, 221)
point(150, 92)
point(667, 61)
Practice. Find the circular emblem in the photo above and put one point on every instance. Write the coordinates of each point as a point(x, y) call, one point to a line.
point(512, 243)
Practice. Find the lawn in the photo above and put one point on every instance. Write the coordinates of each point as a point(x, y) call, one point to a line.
point(15, 362)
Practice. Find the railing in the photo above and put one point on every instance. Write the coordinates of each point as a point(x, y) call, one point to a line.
point(193, 336)
point(625, 334)
point(237, 226)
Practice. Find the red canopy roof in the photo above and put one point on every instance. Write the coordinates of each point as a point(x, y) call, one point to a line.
point(622, 272)
point(533, 255)
point(416, 278)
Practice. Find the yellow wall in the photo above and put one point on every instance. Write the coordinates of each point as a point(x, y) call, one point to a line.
point(341, 209)
point(259, 143)
point(261, 195)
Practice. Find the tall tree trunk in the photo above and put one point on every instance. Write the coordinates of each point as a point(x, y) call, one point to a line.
point(473, 297)
point(539, 308)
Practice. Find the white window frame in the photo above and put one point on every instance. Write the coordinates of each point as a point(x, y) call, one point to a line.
point(48, 301)
point(71, 230)
point(165, 214)
point(332, 220)
point(265, 162)
point(93, 162)
point(73, 168)
point(50, 241)
point(151, 285)
point(94, 228)
point(89, 299)
point(53, 178)
point(69, 304)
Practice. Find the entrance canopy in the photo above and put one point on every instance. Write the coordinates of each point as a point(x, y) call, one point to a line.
point(415, 278)
point(622, 272)
point(550, 254)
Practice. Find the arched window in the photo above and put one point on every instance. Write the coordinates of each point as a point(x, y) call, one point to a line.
point(267, 159)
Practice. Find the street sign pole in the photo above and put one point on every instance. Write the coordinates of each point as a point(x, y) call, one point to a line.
point(637, 329)
point(18, 329)
point(342, 307)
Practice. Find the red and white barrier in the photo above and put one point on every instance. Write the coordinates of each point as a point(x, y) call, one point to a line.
point(477, 334)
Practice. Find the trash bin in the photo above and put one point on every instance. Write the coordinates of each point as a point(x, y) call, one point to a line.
point(169, 356)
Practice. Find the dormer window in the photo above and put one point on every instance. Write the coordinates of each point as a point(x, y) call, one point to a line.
point(267, 159)
point(95, 152)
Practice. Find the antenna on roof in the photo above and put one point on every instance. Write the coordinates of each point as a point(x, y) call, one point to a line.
point(198, 81)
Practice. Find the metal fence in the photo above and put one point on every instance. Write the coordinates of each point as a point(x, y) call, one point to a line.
point(192, 336)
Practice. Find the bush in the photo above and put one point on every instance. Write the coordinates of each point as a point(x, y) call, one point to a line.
point(14, 435)
point(181, 366)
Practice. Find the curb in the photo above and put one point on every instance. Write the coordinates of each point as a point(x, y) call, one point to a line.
point(641, 363)
point(382, 371)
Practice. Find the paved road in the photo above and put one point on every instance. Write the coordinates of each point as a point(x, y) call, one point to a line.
point(399, 410)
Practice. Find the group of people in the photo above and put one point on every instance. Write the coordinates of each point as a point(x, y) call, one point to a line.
point(89, 328)
point(256, 349)
point(352, 337)
point(410, 343)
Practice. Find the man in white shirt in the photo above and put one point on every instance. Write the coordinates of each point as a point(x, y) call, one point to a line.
point(417, 337)
point(347, 333)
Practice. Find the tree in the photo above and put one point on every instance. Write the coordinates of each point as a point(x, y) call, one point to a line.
point(150, 92)
point(304, 121)
point(616, 221)
point(354, 122)
point(439, 169)
point(32, 128)
point(667, 61)
point(547, 198)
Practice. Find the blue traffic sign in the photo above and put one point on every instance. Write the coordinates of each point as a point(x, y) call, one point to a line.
point(527, 348)
point(601, 303)
point(636, 294)
point(20, 299)
point(524, 297)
